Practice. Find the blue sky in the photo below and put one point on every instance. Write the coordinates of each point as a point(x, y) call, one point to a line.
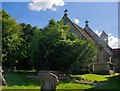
point(101, 15)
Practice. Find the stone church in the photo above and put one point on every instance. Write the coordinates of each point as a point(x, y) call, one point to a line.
point(104, 64)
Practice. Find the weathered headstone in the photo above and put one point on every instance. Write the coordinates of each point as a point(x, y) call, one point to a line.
point(48, 81)
point(2, 80)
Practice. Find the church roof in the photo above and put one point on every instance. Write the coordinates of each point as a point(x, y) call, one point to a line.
point(75, 25)
point(98, 40)
point(82, 31)
point(88, 33)
point(95, 37)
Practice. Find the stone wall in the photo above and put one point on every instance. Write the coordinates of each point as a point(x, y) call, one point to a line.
point(116, 61)
point(103, 56)
point(101, 68)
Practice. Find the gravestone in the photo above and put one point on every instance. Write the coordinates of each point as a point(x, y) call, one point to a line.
point(2, 80)
point(48, 81)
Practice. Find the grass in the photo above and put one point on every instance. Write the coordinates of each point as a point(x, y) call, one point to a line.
point(113, 83)
point(95, 77)
point(20, 81)
point(73, 86)
point(25, 71)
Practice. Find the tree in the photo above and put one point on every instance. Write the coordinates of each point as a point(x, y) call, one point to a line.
point(23, 53)
point(53, 48)
point(15, 42)
point(11, 40)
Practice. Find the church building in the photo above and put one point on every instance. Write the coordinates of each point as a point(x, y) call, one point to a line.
point(103, 63)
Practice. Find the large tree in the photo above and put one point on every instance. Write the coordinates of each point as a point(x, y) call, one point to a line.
point(53, 48)
point(15, 42)
point(11, 40)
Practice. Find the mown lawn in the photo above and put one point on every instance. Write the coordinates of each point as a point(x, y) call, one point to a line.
point(94, 77)
point(113, 83)
point(20, 81)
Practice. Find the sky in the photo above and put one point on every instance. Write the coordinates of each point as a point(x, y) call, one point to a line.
point(101, 15)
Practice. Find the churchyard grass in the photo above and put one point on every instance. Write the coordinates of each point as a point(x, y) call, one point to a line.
point(20, 81)
point(93, 77)
point(17, 80)
point(73, 86)
point(113, 83)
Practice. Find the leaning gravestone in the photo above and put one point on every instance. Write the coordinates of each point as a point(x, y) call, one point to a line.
point(48, 81)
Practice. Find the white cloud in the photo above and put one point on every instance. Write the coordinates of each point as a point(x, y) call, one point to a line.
point(76, 21)
point(37, 5)
point(97, 32)
point(113, 41)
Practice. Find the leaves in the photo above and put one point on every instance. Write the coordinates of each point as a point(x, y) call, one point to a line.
point(54, 48)
point(11, 33)
point(51, 47)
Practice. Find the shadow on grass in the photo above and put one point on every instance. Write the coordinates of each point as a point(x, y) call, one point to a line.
point(64, 81)
point(20, 79)
point(112, 84)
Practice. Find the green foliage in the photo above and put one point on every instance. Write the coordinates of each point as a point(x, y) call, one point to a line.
point(33, 49)
point(50, 48)
point(15, 42)
point(53, 48)
point(44, 44)
point(22, 53)
point(11, 39)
